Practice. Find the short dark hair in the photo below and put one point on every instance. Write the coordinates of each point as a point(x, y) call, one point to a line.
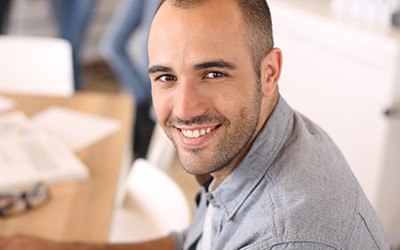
point(257, 16)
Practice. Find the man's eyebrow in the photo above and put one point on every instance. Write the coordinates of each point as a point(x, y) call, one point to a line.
point(159, 68)
point(215, 64)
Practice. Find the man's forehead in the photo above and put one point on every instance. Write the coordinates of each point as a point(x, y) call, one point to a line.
point(189, 36)
point(205, 9)
point(185, 3)
point(206, 64)
point(205, 19)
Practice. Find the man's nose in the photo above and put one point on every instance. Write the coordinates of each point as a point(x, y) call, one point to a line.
point(189, 101)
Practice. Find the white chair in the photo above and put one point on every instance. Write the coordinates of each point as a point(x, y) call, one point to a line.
point(153, 206)
point(161, 151)
point(36, 65)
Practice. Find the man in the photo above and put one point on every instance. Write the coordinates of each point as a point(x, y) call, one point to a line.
point(278, 181)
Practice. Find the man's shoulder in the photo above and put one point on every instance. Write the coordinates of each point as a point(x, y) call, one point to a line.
point(325, 217)
point(313, 195)
point(313, 208)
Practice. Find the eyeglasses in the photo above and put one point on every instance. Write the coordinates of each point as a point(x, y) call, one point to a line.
point(15, 204)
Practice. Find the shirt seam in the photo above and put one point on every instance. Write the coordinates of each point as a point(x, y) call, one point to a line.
point(275, 232)
point(353, 225)
point(369, 231)
point(270, 246)
point(270, 179)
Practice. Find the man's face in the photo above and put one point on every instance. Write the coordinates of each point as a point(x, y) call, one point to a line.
point(205, 93)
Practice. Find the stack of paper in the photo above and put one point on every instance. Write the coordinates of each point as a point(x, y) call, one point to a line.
point(41, 149)
point(79, 130)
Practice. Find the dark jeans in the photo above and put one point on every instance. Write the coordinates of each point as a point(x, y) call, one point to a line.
point(132, 18)
point(5, 6)
point(73, 18)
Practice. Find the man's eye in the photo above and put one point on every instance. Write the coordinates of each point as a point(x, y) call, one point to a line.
point(166, 78)
point(214, 74)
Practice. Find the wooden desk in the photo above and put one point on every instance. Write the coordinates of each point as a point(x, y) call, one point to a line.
point(80, 210)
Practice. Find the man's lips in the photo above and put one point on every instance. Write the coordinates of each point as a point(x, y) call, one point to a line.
point(196, 137)
point(196, 132)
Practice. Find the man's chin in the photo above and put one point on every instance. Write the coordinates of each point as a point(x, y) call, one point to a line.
point(198, 167)
point(193, 169)
point(198, 161)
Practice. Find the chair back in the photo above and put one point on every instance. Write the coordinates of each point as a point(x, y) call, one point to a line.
point(36, 66)
point(161, 150)
point(153, 206)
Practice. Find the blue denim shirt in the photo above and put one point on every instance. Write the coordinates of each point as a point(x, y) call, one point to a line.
point(293, 190)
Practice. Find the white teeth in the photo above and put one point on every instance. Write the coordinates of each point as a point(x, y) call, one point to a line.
point(196, 133)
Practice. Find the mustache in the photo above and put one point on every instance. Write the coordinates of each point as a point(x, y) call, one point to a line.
point(197, 120)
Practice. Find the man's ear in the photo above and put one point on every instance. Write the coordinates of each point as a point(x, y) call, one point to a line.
point(271, 67)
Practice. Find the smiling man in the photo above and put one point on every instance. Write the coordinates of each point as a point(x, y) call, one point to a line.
point(206, 94)
point(278, 181)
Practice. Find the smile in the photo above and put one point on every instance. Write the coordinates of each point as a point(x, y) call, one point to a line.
point(196, 133)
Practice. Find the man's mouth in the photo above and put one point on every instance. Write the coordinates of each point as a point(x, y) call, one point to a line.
point(197, 133)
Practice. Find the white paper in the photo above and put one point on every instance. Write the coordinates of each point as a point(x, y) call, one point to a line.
point(29, 154)
point(11, 121)
point(78, 129)
point(6, 104)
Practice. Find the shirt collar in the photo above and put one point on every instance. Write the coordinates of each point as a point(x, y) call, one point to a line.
point(232, 193)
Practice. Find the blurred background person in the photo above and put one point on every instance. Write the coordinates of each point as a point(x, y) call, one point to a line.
point(132, 19)
point(73, 18)
point(4, 13)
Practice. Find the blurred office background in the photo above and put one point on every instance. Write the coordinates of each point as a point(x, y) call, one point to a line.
point(35, 17)
point(341, 69)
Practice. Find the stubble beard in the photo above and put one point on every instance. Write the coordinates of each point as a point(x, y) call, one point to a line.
point(237, 139)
